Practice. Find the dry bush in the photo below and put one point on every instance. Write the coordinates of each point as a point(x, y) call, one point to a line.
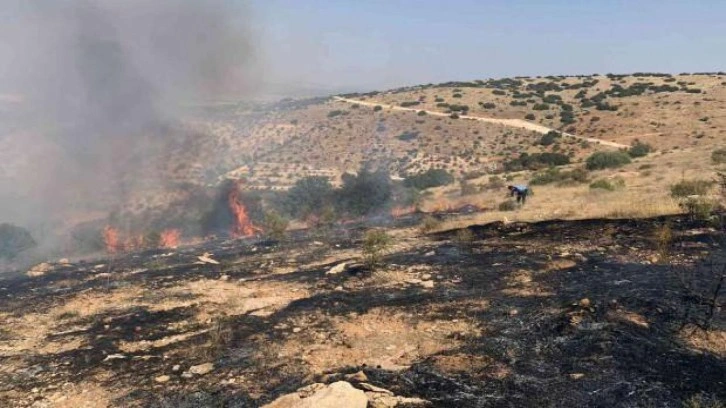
point(429, 223)
point(508, 205)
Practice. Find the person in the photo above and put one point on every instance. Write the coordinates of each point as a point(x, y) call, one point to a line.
point(521, 191)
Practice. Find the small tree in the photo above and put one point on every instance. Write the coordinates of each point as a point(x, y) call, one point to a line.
point(639, 149)
point(275, 225)
point(375, 243)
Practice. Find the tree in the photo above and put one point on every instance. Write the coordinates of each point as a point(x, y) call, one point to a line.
point(308, 196)
point(14, 240)
point(363, 193)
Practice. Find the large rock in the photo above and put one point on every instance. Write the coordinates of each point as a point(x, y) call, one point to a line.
point(39, 269)
point(336, 395)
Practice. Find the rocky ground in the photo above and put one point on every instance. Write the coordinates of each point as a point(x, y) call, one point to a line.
point(559, 313)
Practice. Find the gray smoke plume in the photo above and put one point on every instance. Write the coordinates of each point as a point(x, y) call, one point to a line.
point(90, 94)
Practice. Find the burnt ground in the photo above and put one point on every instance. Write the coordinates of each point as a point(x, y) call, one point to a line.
point(559, 313)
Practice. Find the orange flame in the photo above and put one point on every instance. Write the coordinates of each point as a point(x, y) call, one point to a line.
point(170, 238)
point(242, 226)
point(110, 239)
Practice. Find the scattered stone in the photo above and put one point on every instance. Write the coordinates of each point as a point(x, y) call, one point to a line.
point(296, 330)
point(513, 312)
point(430, 253)
point(360, 376)
point(187, 374)
point(585, 303)
point(176, 368)
point(318, 243)
point(336, 395)
point(577, 376)
point(39, 270)
point(64, 261)
point(413, 281)
point(114, 357)
point(429, 284)
point(339, 288)
point(99, 266)
point(224, 277)
point(162, 379)
point(426, 276)
point(336, 269)
point(377, 400)
point(201, 369)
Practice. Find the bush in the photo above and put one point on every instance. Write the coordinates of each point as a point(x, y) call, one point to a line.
point(406, 104)
point(429, 223)
point(428, 179)
point(454, 116)
point(554, 175)
point(540, 106)
point(307, 196)
point(365, 192)
point(377, 108)
point(468, 188)
point(335, 113)
point(536, 161)
point(14, 240)
point(685, 188)
point(509, 205)
point(529, 116)
point(488, 105)
point(698, 208)
point(549, 138)
point(639, 149)
point(719, 156)
point(275, 225)
point(375, 244)
point(609, 185)
point(607, 160)
point(407, 136)
point(421, 113)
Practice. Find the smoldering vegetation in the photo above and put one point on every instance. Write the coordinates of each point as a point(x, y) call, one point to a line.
point(91, 95)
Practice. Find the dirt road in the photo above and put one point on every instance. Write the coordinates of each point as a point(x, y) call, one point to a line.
point(516, 123)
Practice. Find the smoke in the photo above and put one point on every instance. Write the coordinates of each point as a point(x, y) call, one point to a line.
point(91, 93)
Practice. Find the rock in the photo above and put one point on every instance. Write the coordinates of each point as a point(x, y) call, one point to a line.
point(201, 369)
point(176, 368)
point(114, 357)
point(336, 395)
point(187, 375)
point(162, 379)
point(360, 376)
point(372, 388)
point(376, 400)
point(39, 270)
point(64, 261)
point(336, 269)
point(584, 303)
point(206, 259)
point(577, 376)
point(296, 330)
point(426, 276)
point(429, 284)
point(413, 281)
point(430, 253)
point(339, 288)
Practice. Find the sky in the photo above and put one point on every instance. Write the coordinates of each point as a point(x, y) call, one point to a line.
point(377, 44)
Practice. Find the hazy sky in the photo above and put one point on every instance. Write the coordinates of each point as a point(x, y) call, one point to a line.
point(383, 43)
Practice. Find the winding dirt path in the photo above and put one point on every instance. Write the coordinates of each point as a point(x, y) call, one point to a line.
point(516, 123)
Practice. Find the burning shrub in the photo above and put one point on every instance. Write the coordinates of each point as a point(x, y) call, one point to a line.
point(375, 244)
point(233, 213)
point(14, 240)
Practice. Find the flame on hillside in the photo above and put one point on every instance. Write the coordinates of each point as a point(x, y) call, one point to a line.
point(110, 239)
point(170, 238)
point(241, 224)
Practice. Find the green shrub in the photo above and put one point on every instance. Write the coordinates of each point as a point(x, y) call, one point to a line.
point(377, 108)
point(407, 136)
point(454, 116)
point(549, 138)
point(406, 104)
point(335, 113)
point(554, 175)
point(375, 244)
point(540, 106)
point(488, 105)
point(308, 196)
point(509, 205)
point(275, 225)
point(536, 161)
point(529, 116)
point(719, 156)
point(428, 179)
point(607, 160)
point(421, 113)
point(609, 185)
point(639, 149)
point(685, 188)
point(364, 192)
